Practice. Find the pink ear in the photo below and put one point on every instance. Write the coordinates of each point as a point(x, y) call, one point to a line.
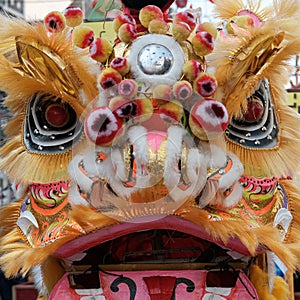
point(256, 20)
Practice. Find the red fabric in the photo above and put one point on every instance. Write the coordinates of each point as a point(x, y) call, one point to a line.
point(160, 287)
point(181, 3)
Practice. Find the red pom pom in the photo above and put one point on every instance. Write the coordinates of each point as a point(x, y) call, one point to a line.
point(208, 119)
point(109, 77)
point(102, 126)
point(120, 64)
point(73, 15)
point(100, 49)
point(55, 21)
point(205, 84)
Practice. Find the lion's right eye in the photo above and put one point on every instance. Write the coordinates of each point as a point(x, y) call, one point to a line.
point(51, 125)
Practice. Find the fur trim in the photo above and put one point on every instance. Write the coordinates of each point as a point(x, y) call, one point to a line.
point(24, 167)
point(259, 279)
point(18, 257)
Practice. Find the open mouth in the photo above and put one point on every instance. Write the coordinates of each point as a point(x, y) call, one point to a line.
point(144, 264)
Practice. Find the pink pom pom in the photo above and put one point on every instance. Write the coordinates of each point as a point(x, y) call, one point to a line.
point(120, 64)
point(127, 88)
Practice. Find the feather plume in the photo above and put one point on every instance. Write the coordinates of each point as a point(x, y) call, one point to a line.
point(228, 9)
point(9, 215)
point(76, 61)
point(242, 61)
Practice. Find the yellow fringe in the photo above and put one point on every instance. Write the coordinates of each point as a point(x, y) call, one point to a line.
point(17, 257)
point(229, 9)
point(25, 167)
point(52, 271)
point(89, 219)
point(9, 215)
point(259, 278)
point(266, 236)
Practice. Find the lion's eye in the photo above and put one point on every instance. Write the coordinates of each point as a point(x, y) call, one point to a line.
point(51, 125)
point(57, 115)
point(255, 110)
point(259, 126)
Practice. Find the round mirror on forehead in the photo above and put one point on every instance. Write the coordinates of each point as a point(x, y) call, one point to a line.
point(156, 59)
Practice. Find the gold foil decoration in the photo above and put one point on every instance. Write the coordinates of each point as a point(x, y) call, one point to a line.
point(42, 64)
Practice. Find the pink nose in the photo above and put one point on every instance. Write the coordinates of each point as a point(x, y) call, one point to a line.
point(155, 139)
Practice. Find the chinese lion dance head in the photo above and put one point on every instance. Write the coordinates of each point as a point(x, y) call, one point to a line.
point(145, 159)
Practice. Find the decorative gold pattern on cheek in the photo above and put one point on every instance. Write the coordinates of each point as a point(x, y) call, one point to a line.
point(262, 196)
point(266, 210)
point(51, 227)
point(254, 215)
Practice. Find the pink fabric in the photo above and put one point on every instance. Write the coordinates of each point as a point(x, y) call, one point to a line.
point(242, 290)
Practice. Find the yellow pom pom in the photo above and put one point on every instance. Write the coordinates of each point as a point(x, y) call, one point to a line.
point(171, 111)
point(74, 16)
point(100, 49)
point(181, 31)
point(148, 13)
point(83, 36)
point(162, 93)
point(158, 26)
point(203, 43)
point(55, 21)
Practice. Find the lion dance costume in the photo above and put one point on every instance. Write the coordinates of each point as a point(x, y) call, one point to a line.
point(158, 165)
